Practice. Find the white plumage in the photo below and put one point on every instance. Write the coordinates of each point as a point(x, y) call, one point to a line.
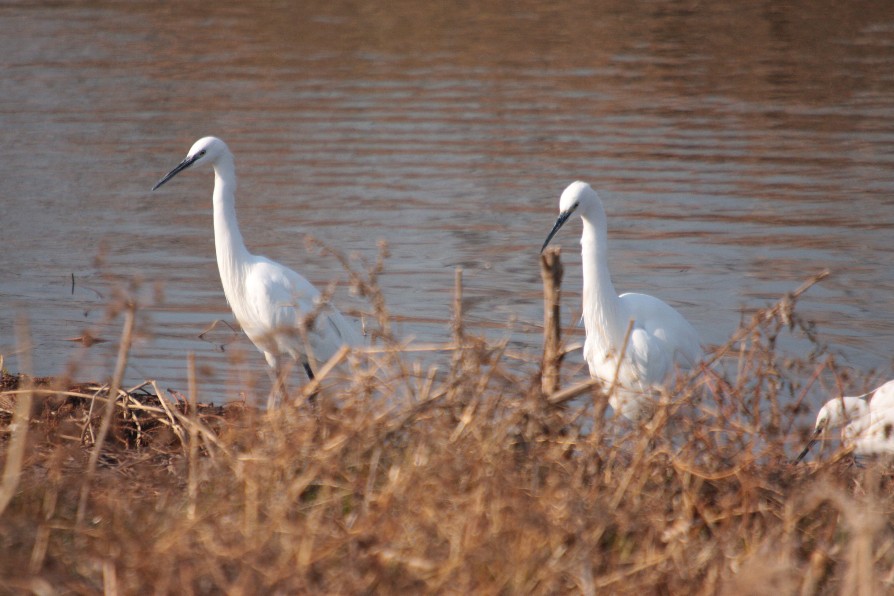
point(270, 301)
point(661, 341)
point(866, 421)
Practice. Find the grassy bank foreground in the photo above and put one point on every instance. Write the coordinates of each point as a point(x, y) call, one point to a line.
point(461, 479)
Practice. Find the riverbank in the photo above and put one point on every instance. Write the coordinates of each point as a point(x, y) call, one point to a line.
point(466, 478)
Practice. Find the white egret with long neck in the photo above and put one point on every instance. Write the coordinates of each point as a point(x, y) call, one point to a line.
point(661, 341)
point(279, 310)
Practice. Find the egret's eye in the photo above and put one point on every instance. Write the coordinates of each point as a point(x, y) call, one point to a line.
point(201, 153)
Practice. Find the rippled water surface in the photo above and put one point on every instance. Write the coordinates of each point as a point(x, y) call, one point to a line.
point(739, 150)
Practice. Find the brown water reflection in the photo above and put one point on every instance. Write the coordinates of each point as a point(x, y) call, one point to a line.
point(740, 149)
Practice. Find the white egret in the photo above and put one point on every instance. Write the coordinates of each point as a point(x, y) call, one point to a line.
point(661, 341)
point(278, 309)
point(866, 421)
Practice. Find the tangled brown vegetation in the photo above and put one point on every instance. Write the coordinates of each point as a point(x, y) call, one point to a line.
point(463, 480)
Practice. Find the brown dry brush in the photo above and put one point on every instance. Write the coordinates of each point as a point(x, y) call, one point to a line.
point(463, 480)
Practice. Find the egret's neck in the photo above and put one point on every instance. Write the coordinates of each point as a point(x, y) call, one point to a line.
point(231, 252)
point(602, 316)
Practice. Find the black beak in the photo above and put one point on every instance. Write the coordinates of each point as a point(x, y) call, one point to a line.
point(563, 217)
point(810, 444)
point(180, 167)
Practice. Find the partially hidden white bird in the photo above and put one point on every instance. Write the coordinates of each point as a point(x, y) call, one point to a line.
point(270, 301)
point(661, 343)
point(866, 422)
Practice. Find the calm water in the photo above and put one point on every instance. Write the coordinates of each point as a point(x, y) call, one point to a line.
point(739, 150)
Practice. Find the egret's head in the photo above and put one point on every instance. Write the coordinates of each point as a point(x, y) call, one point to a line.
point(579, 197)
point(205, 150)
point(850, 412)
point(840, 411)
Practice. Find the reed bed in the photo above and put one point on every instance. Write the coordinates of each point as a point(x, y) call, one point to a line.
point(470, 476)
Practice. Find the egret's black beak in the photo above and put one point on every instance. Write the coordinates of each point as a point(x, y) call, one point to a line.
point(563, 217)
point(180, 167)
point(810, 443)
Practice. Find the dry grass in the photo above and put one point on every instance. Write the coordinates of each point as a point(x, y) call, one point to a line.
point(465, 480)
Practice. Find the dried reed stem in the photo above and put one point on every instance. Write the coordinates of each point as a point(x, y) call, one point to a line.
point(621, 354)
point(551, 272)
point(120, 367)
point(177, 428)
point(458, 306)
point(311, 388)
point(569, 393)
point(192, 482)
point(787, 301)
point(15, 453)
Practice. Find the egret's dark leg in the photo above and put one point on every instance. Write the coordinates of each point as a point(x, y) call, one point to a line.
point(312, 398)
point(308, 370)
